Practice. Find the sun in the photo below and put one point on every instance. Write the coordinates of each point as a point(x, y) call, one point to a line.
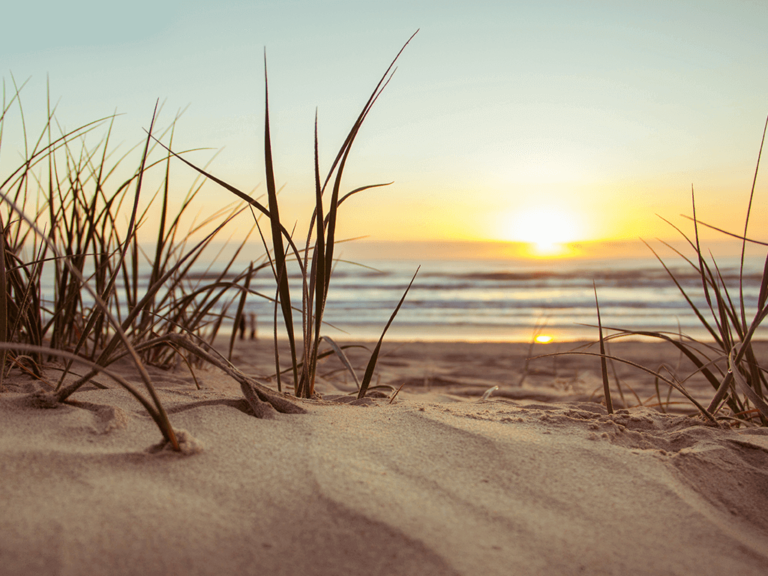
point(546, 230)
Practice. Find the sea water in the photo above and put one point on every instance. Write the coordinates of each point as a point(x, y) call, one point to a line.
point(495, 300)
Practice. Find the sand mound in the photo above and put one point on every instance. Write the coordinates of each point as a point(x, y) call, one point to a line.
point(431, 484)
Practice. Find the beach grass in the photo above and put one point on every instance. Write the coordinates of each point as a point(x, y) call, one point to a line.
point(728, 361)
point(315, 260)
point(61, 211)
point(61, 218)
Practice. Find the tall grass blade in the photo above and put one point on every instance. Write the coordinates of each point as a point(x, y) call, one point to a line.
point(375, 354)
point(731, 234)
point(119, 336)
point(746, 224)
point(3, 302)
point(697, 247)
point(714, 333)
point(317, 285)
point(603, 364)
point(316, 275)
point(763, 296)
point(98, 313)
point(278, 249)
point(239, 318)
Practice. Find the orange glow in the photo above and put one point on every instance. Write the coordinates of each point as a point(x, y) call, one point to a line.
point(543, 339)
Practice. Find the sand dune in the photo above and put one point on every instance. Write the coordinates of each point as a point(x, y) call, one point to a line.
point(437, 482)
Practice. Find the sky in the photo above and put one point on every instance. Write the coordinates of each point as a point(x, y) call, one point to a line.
point(545, 122)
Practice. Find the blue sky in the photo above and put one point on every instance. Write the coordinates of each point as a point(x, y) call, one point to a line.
point(606, 111)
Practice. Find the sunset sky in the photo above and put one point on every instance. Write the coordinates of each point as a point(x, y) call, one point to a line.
point(539, 122)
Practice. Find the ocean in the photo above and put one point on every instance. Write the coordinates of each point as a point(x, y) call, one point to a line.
point(502, 301)
point(481, 300)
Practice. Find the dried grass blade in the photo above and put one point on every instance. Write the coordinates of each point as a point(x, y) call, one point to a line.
point(361, 189)
point(667, 381)
point(240, 307)
point(714, 333)
point(344, 360)
point(687, 351)
point(260, 409)
point(220, 182)
point(374, 95)
point(375, 354)
point(280, 403)
point(161, 233)
point(97, 312)
point(341, 159)
point(41, 154)
point(731, 234)
point(277, 297)
point(95, 368)
point(278, 249)
point(120, 335)
point(763, 296)
point(733, 367)
point(3, 302)
point(746, 224)
point(603, 364)
point(698, 250)
point(722, 390)
point(317, 282)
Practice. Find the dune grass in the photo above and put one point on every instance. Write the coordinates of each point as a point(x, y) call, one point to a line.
point(63, 212)
point(68, 186)
point(60, 210)
point(728, 361)
point(61, 217)
point(316, 259)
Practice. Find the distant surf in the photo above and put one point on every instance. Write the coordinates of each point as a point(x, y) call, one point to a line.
point(501, 300)
point(482, 300)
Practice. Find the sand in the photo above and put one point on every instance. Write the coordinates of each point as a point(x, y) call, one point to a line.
point(537, 479)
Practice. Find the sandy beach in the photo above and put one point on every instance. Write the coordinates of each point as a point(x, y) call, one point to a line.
point(535, 479)
point(179, 178)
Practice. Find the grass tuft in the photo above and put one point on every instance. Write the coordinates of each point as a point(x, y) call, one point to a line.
point(729, 362)
point(316, 260)
point(61, 215)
